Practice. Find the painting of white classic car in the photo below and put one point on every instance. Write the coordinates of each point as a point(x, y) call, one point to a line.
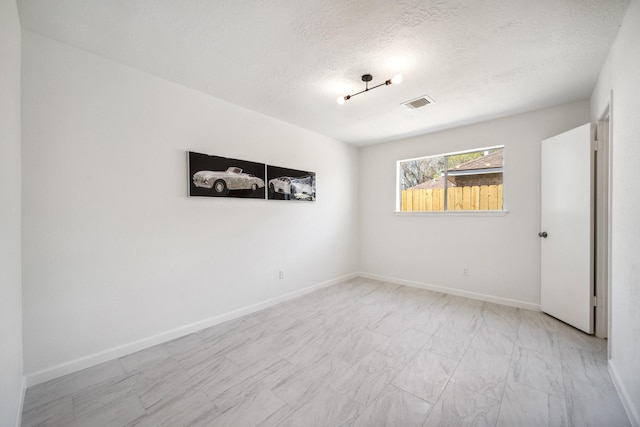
point(300, 188)
point(223, 181)
point(290, 184)
point(215, 176)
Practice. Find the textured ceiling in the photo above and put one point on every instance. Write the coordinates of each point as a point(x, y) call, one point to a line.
point(290, 59)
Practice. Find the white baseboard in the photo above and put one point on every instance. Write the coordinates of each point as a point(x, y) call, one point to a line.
point(124, 350)
point(21, 402)
point(457, 292)
point(633, 412)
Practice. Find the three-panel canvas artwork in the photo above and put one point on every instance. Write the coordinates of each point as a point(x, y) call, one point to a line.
point(215, 176)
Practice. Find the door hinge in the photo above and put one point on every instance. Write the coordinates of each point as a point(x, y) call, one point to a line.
point(596, 145)
point(594, 301)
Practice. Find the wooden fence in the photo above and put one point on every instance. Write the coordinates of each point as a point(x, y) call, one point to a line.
point(477, 198)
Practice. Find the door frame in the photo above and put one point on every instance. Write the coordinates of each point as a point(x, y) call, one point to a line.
point(602, 225)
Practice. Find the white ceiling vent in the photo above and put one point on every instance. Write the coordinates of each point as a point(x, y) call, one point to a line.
point(420, 102)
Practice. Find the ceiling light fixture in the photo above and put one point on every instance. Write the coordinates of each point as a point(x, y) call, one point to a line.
point(366, 78)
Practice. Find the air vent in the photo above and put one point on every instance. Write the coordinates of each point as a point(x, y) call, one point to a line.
point(418, 102)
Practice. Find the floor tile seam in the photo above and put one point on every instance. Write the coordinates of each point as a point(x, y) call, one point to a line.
point(359, 406)
point(476, 391)
point(510, 357)
point(485, 394)
point(497, 354)
point(379, 421)
point(504, 389)
point(119, 359)
point(130, 393)
point(567, 348)
point(458, 362)
point(73, 409)
point(380, 371)
point(294, 363)
point(536, 351)
point(568, 402)
point(229, 360)
point(148, 408)
point(542, 356)
point(27, 409)
point(271, 389)
point(137, 420)
point(449, 381)
point(547, 392)
point(287, 403)
point(415, 352)
point(143, 368)
point(432, 404)
point(186, 390)
point(397, 369)
point(199, 388)
point(492, 355)
point(435, 333)
point(426, 372)
point(209, 340)
point(337, 390)
point(123, 378)
point(216, 406)
point(449, 357)
point(74, 392)
point(609, 387)
point(372, 398)
point(584, 362)
point(453, 327)
point(207, 413)
point(526, 324)
point(144, 365)
point(501, 331)
point(466, 350)
point(297, 370)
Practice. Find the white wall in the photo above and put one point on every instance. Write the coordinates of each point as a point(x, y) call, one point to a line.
point(502, 253)
point(115, 251)
point(11, 379)
point(621, 73)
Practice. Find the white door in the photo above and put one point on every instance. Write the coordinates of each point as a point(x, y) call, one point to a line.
point(565, 234)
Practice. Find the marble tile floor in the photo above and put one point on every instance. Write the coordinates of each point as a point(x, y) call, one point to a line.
point(361, 353)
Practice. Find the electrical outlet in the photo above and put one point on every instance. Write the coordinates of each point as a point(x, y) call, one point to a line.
point(465, 271)
point(281, 274)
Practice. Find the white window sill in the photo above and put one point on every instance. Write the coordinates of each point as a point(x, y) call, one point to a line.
point(454, 213)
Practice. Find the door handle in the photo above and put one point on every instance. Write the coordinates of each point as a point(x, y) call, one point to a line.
point(543, 234)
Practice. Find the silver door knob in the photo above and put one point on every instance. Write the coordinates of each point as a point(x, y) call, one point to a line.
point(543, 234)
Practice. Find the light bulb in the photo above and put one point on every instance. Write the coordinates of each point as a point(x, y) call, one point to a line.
point(397, 79)
point(341, 100)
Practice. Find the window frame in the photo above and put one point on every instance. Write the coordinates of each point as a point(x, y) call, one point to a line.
point(445, 211)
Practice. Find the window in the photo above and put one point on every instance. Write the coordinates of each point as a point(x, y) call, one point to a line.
point(463, 181)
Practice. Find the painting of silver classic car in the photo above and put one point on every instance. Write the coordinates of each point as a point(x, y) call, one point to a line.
point(215, 176)
point(223, 181)
point(291, 184)
point(299, 188)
